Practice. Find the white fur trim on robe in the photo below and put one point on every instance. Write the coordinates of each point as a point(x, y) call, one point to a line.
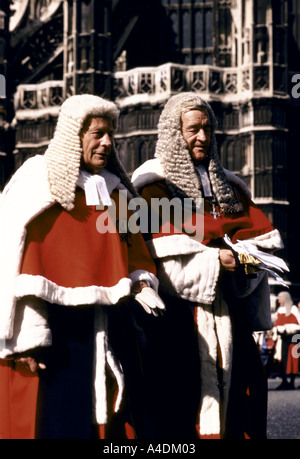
point(41, 287)
point(151, 171)
point(56, 294)
point(187, 268)
point(25, 196)
point(104, 355)
point(268, 241)
point(214, 327)
point(31, 329)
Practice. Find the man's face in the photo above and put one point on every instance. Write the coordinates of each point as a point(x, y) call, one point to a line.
point(281, 300)
point(196, 131)
point(96, 140)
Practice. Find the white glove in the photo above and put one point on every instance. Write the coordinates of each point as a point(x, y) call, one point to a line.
point(150, 301)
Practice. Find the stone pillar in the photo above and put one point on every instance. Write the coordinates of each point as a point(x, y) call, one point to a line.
point(87, 47)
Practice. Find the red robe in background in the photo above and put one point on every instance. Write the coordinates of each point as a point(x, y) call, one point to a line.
point(290, 360)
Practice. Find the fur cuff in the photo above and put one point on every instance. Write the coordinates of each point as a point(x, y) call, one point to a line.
point(31, 328)
point(168, 246)
point(291, 329)
point(49, 291)
point(268, 241)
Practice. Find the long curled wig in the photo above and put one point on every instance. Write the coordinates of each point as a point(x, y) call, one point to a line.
point(64, 153)
point(172, 150)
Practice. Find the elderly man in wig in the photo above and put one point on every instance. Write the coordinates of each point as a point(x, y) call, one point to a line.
point(69, 364)
point(211, 379)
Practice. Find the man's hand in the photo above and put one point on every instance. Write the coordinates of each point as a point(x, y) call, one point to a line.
point(138, 286)
point(227, 259)
point(30, 363)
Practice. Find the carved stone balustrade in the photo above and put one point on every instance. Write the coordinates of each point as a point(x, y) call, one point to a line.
point(35, 100)
point(156, 84)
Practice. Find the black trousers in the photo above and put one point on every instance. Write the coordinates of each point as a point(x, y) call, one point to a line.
point(65, 390)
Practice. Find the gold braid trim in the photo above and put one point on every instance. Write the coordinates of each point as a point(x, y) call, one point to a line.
point(250, 263)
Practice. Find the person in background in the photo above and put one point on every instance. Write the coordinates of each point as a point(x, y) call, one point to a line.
point(212, 382)
point(287, 324)
point(69, 363)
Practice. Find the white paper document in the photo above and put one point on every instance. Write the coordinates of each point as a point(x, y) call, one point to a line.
point(268, 262)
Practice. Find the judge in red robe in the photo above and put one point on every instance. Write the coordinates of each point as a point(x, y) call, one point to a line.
point(287, 324)
point(70, 274)
point(210, 373)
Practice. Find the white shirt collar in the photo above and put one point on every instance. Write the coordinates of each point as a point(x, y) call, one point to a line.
point(205, 180)
point(98, 187)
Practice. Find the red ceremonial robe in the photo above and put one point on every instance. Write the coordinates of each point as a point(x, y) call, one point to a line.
point(247, 400)
point(290, 359)
point(68, 249)
point(244, 225)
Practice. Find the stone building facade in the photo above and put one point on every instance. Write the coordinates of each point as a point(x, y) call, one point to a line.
point(243, 56)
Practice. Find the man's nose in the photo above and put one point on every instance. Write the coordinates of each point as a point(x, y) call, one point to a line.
point(202, 135)
point(106, 140)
